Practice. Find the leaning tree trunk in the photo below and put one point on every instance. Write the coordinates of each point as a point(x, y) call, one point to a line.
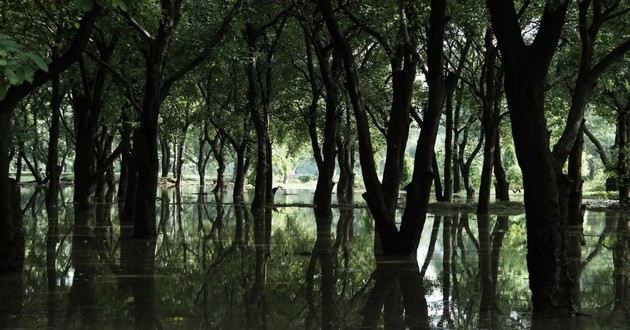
point(501, 186)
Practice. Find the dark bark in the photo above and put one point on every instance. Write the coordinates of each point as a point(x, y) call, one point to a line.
point(165, 147)
point(457, 186)
point(451, 84)
point(87, 104)
point(179, 159)
point(142, 182)
point(489, 123)
point(251, 37)
point(450, 163)
point(125, 156)
point(329, 67)
point(466, 163)
point(526, 68)
point(145, 157)
point(623, 145)
point(52, 162)
point(240, 176)
point(345, 161)
point(217, 151)
point(501, 185)
point(603, 154)
point(439, 192)
point(380, 198)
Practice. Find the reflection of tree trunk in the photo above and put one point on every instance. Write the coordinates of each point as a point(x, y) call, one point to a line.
point(52, 237)
point(621, 272)
point(137, 264)
point(434, 235)
point(255, 312)
point(446, 272)
point(399, 290)
point(12, 235)
point(325, 252)
point(82, 312)
point(487, 317)
point(12, 263)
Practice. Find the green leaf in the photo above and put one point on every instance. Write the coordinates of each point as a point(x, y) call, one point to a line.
point(9, 44)
point(41, 64)
point(120, 4)
point(13, 77)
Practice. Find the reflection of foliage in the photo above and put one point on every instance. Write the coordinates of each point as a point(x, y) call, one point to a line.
point(203, 274)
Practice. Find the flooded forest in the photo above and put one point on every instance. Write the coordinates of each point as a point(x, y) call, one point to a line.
point(292, 164)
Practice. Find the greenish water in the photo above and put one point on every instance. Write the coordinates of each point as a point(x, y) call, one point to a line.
point(215, 265)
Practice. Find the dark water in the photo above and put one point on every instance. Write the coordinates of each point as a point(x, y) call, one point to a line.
point(218, 266)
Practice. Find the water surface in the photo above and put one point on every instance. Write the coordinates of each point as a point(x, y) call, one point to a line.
point(216, 265)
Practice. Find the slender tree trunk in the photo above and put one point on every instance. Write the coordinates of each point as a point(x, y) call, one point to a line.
point(457, 186)
point(239, 177)
point(52, 163)
point(166, 156)
point(125, 156)
point(623, 145)
point(489, 122)
point(451, 84)
point(327, 154)
point(501, 186)
point(180, 158)
point(260, 198)
point(18, 164)
point(439, 192)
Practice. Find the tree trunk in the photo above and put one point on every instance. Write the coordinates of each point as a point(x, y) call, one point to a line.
point(439, 193)
point(84, 159)
point(239, 177)
point(489, 123)
point(501, 186)
point(125, 156)
point(451, 84)
point(166, 156)
point(52, 163)
point(260, 198)
point(457, 186)
point(325, 155)
point(623, 145)
point(180, 158)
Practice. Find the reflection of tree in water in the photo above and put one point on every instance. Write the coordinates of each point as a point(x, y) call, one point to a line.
point(82, 311)
point(12, 247)
point(489, 253)
point(398, 296)
point(324, 252)
point(137, 270)
point(621, 273)
point(256, 313)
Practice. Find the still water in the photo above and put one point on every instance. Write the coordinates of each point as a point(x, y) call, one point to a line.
point(215, 265)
